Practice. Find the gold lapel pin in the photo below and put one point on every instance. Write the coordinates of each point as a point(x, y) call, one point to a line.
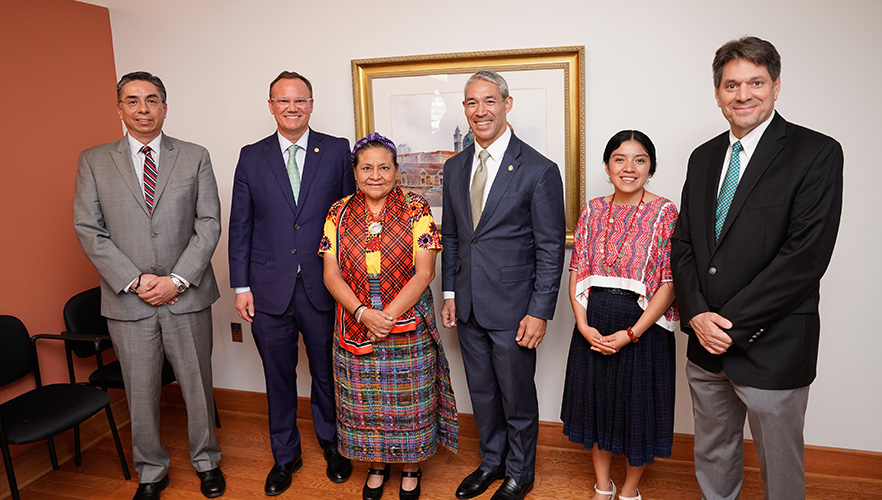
point(510, 168)
point(316, 150)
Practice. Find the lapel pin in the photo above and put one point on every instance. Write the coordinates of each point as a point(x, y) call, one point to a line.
point(510, 168)
point(316, 150)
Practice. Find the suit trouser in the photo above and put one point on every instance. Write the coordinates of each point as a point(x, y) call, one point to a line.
point(500, 375)
point(141, 347)
point(776, 419)
point(276, 338)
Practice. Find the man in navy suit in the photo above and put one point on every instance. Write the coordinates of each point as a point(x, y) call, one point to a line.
point(503, 230)
point(283, 188)
point(758, 220)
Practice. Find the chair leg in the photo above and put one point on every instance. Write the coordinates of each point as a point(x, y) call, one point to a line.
point(52, 456)
point(216, 416)
point(78, 455)
point(10, 473)
point(119, 450)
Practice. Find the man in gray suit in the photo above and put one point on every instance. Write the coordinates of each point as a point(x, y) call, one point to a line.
point(147, 214)
point(503, 230)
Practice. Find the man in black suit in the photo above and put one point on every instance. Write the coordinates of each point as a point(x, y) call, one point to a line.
point(503, 230)
point(758, 221)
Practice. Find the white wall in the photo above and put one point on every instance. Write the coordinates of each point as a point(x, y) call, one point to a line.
point(648, 67)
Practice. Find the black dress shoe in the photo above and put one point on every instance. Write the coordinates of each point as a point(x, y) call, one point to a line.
point(476, 483)
point(413, 494)
point(279, 478)
point(339, 467)
point(368, 493)
point(510, 490)
point(150, 491)
point(213, 482)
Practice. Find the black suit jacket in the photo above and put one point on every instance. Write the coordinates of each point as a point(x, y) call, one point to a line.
point(510, 265)
point(764, 272)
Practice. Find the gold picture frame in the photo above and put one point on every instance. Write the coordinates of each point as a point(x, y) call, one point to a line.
point(549, 83)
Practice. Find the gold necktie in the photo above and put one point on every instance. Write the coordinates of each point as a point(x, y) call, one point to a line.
point(477, 191)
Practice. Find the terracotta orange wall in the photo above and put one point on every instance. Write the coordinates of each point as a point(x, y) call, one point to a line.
point(57, 85)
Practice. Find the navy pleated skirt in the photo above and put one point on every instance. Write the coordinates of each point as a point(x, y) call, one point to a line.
point(623, 402)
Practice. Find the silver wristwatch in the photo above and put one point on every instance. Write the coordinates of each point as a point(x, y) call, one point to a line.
point(180, 287)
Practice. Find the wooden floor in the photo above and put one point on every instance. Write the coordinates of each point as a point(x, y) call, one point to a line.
point(563, 471)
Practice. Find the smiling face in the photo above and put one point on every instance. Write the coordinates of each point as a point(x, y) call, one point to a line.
point(293, 114)
point(141, 109)
point(375, 173)
point(485, 109)
point(746, 95)
point(628, 169)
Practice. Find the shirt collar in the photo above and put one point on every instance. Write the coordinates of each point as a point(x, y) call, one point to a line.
point(750, 141)
point(284, 143)
point(135, 145)
point(497, 149)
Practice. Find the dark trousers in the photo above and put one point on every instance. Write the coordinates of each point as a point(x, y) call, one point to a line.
point(276, 338)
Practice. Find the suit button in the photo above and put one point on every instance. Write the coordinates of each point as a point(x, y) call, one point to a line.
point(712, 271)
point(153, 235)
point(294, 251)
point(296, 227)
point(153, 268)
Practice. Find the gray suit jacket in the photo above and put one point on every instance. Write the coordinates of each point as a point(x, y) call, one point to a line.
point(123, 240)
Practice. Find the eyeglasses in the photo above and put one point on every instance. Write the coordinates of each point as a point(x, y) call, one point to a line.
point(284, 102)
point(132, 103)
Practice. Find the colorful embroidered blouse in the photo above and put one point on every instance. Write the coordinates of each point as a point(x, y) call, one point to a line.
point(606, 254)
point(377, 266)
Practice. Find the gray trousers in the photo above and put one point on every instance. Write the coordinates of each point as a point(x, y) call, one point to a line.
point(776, 419)
point(187, 342)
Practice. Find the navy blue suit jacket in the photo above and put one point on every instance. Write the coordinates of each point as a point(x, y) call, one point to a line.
point(511, 264)
point(764, 272)
point(270, 235)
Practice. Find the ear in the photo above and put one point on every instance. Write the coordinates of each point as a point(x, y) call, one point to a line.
point(509, 101)
point(777, 87)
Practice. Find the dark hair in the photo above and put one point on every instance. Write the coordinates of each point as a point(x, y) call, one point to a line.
point(371, 145)
point(489, 76)
point(293, 75)
point(140, 76)
point(755, 50)
point(631, 135)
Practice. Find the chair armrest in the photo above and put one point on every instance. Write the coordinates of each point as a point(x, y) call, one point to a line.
point(95, 339)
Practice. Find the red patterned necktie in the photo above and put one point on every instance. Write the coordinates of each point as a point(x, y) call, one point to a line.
point(149, 177)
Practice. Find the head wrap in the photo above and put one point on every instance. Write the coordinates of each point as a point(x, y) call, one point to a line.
point(374, 137)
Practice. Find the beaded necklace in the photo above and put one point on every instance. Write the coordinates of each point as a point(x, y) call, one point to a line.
point(610, 220)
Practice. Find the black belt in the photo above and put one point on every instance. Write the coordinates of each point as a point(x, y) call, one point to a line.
point(617, 291)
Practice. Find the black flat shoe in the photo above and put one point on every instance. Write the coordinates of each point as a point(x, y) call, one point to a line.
point(150, 491)
point(339, 467)
point(368, 493)
point(511, 490)
point(213, 483)
point(476, 483)
point(279, 478)
point(413, 494)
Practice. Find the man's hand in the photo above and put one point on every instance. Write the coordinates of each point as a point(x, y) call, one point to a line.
point(709, 326)
point(448, 313)
point(531, 331)
point(158, 291)
point(245, 305)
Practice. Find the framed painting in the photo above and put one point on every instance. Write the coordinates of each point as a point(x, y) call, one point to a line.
point(417, 102)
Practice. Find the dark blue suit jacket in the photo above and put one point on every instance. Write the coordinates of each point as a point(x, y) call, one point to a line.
point(511, 264)
point(763, 274)
point(270, 235)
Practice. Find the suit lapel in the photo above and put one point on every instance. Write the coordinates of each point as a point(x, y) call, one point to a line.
point(122, 158)
point(311, 164)
point(276, 164)
point(714, 171)
point(465, 183)
point(508, 166)
point(766, 150)
point(168, 157)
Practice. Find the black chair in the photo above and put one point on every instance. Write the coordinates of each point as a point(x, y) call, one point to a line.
point(82, 315)
point(46, 410)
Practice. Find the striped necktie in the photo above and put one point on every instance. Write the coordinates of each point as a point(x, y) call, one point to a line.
point(150, 173)
point(727, 191)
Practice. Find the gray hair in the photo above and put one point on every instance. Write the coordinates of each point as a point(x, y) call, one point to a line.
point(489, 76)
point(140, 76)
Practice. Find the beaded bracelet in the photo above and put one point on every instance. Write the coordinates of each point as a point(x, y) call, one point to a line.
point(631, 335)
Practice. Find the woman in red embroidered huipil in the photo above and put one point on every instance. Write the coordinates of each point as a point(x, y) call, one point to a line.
point(393, 393)
point(619, 393)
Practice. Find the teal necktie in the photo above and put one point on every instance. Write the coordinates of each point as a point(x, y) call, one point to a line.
point(727, 192)
point(294, 171)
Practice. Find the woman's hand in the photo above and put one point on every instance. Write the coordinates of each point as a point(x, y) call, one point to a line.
point(611, 344)
point(379, 323)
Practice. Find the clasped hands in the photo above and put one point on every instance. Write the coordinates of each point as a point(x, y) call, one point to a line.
point(157, 290)
point(609, 344)
point(379, 323)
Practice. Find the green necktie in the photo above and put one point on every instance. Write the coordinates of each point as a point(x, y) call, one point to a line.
point(294, 171)
point(727, 191)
